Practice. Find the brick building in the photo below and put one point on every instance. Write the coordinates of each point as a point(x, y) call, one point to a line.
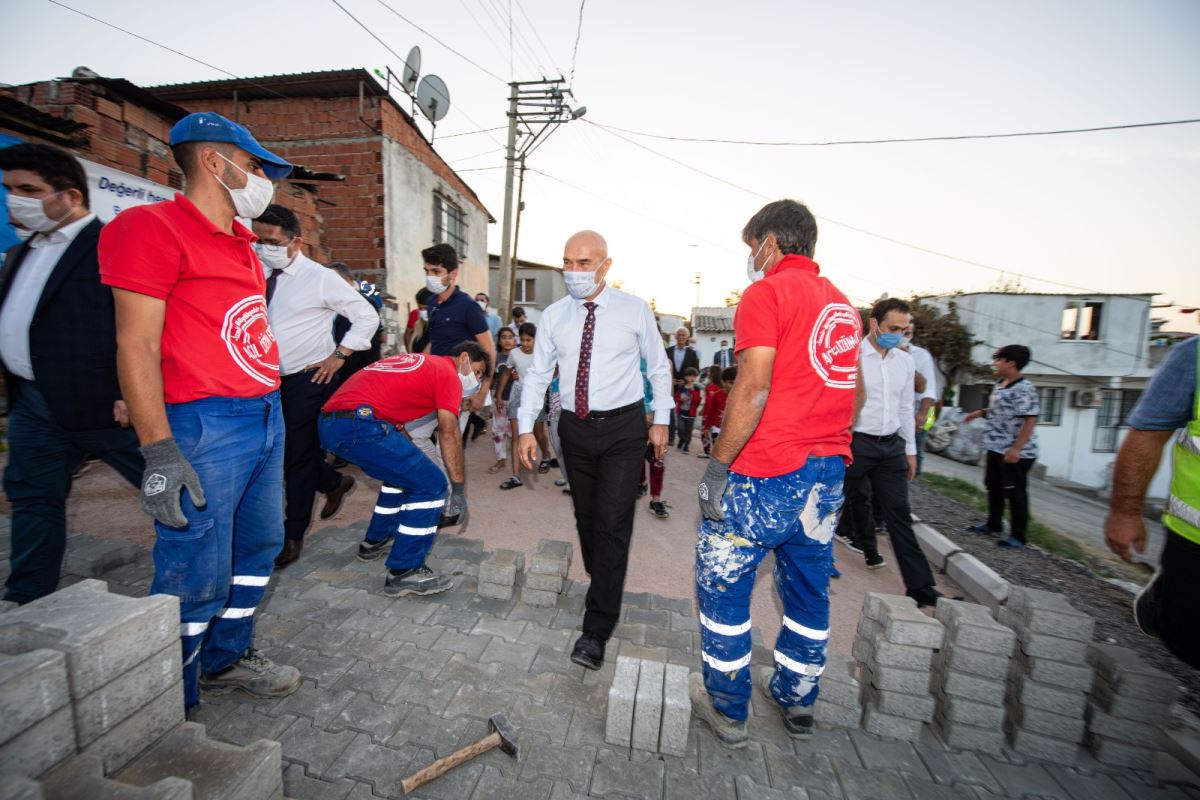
point(397, 195)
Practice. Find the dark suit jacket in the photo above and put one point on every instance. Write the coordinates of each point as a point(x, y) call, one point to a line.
point(690, 359)
point(73, 336)
point(717, 358)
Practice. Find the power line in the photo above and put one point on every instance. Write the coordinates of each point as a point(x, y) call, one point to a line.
point(578, 35)
point(488, 34)
point(538, 36)
point(955, 138)
point(475, 64)
point(480, 169)
point(472, 133)
point(479, 155)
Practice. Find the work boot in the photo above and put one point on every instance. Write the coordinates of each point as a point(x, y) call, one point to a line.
point(369, 551)
point(333, 500)
point(874, 560)
point(730, 732)
point(289, 553)
point(798, 720)
point(420, 581)
point(254, 674)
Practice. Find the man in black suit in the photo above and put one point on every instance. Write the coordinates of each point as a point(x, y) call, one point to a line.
point(723, 358)
point(680, 357)
point(58, 346)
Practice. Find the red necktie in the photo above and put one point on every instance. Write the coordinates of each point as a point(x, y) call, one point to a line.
point(585, 362)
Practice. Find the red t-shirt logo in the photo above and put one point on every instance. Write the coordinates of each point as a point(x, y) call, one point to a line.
point(833, 346)
point(248, 337)
point(405, 362)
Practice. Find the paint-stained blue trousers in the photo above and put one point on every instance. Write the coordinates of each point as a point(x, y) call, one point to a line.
point(793, 515)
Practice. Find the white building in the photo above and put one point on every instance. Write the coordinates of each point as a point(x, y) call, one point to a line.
point(1091, 362)
point(538, 285)
point(710, 326)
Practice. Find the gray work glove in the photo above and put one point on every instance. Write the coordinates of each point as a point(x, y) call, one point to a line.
point(457, 504)
point(711, 489)
point(167, 471)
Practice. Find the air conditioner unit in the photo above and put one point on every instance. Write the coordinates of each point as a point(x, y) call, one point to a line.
point(1085, 398)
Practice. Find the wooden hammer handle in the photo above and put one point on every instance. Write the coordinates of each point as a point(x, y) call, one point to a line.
point(444, 765)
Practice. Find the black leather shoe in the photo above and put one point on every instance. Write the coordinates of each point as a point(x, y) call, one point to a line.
point(333, 500)
point(289, 553)
point(588, 652)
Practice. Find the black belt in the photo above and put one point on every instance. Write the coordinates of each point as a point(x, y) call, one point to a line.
point(615, 412)
point(362, 412)
point(875, 438)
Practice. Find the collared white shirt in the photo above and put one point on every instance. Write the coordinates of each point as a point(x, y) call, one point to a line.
point(677, 353)
point(307, 297)
point(924, 364)
point(625, 334)
point(45, 250)
point(888, 382)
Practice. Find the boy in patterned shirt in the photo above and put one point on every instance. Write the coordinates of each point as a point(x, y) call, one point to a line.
point(1011, 444)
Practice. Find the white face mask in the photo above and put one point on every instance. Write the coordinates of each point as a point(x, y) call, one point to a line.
point(580, 284)
point(470, 384)
point(30, 213)
point(751, 272)
point(252, 199)
point(482, 304)
point(273, 256)
point(423, 315)
point(435, 284)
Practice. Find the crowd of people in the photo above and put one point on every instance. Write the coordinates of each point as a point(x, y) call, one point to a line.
point(226, 375)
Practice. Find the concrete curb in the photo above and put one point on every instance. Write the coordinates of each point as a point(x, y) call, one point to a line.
point(977, 579)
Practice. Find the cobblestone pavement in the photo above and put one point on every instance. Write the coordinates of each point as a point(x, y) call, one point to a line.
point(392, 684)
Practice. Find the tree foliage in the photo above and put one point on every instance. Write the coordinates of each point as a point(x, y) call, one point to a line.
point(943, 334)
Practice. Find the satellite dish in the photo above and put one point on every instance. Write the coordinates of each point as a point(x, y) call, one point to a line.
point(433, 98)
point(412, 70)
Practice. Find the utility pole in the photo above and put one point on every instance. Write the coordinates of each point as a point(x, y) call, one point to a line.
point(697, 282)
point(530, 103)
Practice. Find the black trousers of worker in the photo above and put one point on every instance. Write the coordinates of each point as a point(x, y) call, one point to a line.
point(1175, 604)
point(1007, 482)
point(606, 462)
point(881, 469)
point(305, 470)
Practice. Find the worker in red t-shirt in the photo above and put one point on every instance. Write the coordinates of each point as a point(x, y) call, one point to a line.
point(364, 423)
point(774, 482)
point(199, 370)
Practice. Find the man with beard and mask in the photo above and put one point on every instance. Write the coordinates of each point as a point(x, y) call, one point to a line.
point(364, 423)
point(453, 316)
point(774, 482)
point(597, 337)
point(199, 369)
point(303, 299)
point(58, 345)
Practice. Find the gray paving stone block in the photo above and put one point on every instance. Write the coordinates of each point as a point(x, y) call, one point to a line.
point(502, 567)
point(962, 736)
point(1046, 723)
point(1087, 787)
point(1037, 611)
point(936, 547)
point(894, 679)
point(847, 695)
point(514, 655)
point(92, 557)
point(615, 774)
point(889, 725)
point(313, 746)
point(649, 617)
point(1121, 728)
point(1118, 753)
point(555, 548)
point(977, 579)
point(902, 656)
point(1170, 770)
point(460, 619)
point(548, 565)
point(972, 662)
point(836, 715)
point(301, 787)
point(124, 741)
point(968, 712)
point(40, 746)
point(114, 702)
point(948, 767)
point(7, 605)
point(538, 597)
point(1024, 780)
point(877, 754)
point(876, 605)
point(320, 704)
point(972, 687)
point(217, 771)
point(899, 704)
point(647, 711)
point(810, 771)
point(676, 712)
point(544, 583)
point(242, 724)
point(33, 686)
point(496, 591)
point(493, 785)
point(1042, 748)
point(1130, 708)
point(571, 765)
point(18, 787)
point(688, 784)
point(972, 626)
point(1029, 692)
point(902, 623)
point(870, 784)
point(1053, 648)
point(1054, 673)
point(384, 768)
point(102, 635)
point(82, 778)
point(1129, 676)
point(747, 787)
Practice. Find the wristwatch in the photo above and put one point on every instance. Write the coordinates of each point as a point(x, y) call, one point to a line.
point(337, 352)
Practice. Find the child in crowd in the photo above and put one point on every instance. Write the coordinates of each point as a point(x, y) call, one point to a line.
point(687, 405)
point(520, 359)
point(714, 410)
point(506, 341)
point(657, 468)
point(554, 406)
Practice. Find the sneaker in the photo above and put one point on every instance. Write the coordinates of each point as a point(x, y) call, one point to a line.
point(982, 529)
point(369, 551)
point(642, 490)
point(560, 482)
point(730, 732)
point(659, 509)
point(1144, 603)
point(1011, 542)
point(850, 545)
point(512, 483)
point(420, 581)
point(799, 725)
point(254, 674)
point(543, 466)
point(874, 561)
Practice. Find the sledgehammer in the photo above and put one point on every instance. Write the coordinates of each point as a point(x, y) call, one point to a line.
point(502, 734)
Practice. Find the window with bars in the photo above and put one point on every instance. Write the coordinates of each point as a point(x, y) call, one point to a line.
point(1115, 407)
point(1050, 398)
point(449, 224)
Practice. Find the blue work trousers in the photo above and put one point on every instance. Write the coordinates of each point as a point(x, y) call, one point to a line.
point(219, 564)
point(414, 489)
point(793, 515)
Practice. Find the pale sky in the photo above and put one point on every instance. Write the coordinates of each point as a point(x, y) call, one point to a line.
point(1107, 211)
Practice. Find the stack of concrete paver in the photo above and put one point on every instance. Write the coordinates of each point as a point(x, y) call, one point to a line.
point(1049, 677)
point(498, 574)
point(648, 706)
point(547, 573)
point(969, 677)
point(895, 645)
point(1130, 701)
point(840, 700)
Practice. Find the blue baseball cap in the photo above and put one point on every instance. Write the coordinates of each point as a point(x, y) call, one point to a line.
point(206, 126)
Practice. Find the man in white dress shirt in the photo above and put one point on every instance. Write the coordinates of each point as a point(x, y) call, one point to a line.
point(597, 338)
point(303, 299)
point(885, 451)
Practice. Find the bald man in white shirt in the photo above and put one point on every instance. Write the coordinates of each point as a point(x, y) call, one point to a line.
point(597, 338)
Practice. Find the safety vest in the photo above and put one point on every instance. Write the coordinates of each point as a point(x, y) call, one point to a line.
point(1183, 506)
